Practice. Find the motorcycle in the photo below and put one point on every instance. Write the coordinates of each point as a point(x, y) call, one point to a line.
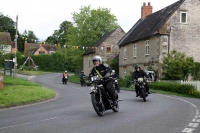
point(142, 89)
point(116, 83)
point(83, 81)
point(65, 79)
point(101, 100)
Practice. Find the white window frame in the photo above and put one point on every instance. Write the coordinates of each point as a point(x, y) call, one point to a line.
point(181, 18)
point(147, 47)
point(125, 53)
point(125, 72)
point(135, 50)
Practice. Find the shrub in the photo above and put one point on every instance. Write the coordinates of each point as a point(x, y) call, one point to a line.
point(175, 87)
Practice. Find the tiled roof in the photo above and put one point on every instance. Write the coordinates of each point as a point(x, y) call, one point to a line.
point(5, 38)
point(149, 25)
point(99, 42)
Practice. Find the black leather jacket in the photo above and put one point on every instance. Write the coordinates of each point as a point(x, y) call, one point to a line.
point(103, 70)
point(139, 74)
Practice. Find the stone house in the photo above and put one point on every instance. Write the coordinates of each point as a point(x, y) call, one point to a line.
point(107, 47)
point(176, 26)
point(5, 42)
point(36, 49)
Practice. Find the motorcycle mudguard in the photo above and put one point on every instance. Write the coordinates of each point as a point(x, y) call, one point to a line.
point(93, 92)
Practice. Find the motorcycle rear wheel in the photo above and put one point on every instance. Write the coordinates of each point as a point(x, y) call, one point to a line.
point(99, 108)
point(116, 108)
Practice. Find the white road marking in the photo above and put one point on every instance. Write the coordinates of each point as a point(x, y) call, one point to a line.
point(28, 123)
point(188, 130)
point(30, 77)
point(195, 122)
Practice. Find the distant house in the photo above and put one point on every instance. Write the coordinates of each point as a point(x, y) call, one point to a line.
point(176, 26)
point(5, 42)
point(37, 49)
point(106, 47)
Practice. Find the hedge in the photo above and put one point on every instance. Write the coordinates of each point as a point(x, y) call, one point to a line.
point(175, 87)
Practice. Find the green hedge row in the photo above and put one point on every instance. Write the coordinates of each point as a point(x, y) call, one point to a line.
point(175, 87)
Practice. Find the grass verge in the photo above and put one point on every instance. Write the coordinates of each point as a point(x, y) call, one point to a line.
point(20, 92)
point(74, 79)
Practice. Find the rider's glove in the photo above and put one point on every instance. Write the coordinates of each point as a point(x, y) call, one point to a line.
point(107, 75)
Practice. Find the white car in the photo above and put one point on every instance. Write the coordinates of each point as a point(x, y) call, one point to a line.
point(151, 75)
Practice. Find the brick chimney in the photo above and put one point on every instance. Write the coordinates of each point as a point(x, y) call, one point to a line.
point(146, 9)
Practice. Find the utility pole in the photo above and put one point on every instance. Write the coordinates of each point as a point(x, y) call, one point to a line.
point(16, 36)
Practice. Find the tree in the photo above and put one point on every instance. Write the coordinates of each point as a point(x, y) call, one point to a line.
point(7, 25)
point(60, 36)
point(31, 35)
point(196, 71)
point(90, 25)
point(25, 33)
point(176, 66)
point(114, 64)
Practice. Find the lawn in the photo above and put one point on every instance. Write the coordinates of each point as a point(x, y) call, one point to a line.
point(74, 79)
point(20, 92)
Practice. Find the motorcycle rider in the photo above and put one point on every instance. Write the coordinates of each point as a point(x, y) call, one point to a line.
point(82, 75)
point(115, 76)
point(65, 74)
point(139, 73)
point(103, 72)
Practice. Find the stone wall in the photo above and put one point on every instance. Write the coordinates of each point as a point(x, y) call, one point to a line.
point(141, 58)
point(186, 37)
point(112, 41)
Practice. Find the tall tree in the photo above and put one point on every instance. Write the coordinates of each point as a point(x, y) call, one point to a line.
point(90, 25)
point(177, 66)
point(7, 25)
point(31, 35)
point(60, 35)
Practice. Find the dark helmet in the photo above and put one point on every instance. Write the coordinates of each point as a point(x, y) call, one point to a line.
point(137, 66)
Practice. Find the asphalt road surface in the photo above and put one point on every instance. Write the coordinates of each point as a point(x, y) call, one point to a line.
point(71, 111)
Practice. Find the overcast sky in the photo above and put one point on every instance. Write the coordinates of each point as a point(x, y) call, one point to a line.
point(45, 16)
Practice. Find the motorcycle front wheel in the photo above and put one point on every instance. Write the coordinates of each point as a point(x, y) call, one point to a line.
point(143, 94)
point(98, 107)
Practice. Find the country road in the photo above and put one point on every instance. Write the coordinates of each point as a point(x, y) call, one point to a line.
point(71, 111)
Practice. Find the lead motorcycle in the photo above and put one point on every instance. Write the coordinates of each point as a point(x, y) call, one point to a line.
point(101, 100)
point(142, 88)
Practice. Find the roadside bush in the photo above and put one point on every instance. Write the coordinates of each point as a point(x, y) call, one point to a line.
point(175, 87)
point(126, 82)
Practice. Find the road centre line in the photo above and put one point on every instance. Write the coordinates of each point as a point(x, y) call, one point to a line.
point(28, 123)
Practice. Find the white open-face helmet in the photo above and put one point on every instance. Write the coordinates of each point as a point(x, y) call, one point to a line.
point(113, 71)
point(65, 71)
point(97, 58)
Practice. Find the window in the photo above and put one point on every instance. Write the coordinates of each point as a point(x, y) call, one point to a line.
point(41, 52)
point(124, 53)
point(108, 49)
point(135, 50)
point(147, 47)
point(125, 72)
point(183, 17)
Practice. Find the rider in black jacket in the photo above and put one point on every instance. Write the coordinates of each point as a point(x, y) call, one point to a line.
point(139, 74)
point(104, 72)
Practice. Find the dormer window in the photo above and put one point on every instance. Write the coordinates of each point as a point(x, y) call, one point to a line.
point(183, 17)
